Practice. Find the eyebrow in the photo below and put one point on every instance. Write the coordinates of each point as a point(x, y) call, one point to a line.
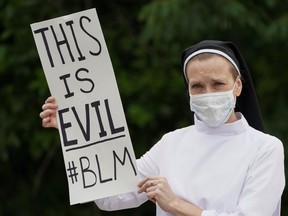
point(211, 79)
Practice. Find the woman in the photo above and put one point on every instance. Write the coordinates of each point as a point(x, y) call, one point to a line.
point(223, 164)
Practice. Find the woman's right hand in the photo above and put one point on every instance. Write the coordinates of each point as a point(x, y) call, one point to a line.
point(48, 115)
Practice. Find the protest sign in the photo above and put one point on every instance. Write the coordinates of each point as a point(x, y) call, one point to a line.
point(97, 149)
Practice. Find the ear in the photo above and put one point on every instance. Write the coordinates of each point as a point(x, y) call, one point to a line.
point(238, 87)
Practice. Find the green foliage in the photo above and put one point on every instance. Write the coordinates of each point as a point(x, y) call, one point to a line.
point(145, 41)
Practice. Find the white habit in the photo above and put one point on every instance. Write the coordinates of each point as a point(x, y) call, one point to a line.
point(231, 170)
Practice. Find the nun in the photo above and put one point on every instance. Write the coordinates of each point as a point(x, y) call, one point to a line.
point(224, 164)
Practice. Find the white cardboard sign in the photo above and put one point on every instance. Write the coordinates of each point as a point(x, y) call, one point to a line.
point(97, 149)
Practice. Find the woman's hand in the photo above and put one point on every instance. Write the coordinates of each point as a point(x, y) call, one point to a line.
point(48, 115)
point(158, 190)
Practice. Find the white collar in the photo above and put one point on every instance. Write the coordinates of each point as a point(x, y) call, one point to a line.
point(226, 129)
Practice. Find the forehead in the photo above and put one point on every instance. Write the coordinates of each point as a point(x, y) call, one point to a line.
point(213, 66)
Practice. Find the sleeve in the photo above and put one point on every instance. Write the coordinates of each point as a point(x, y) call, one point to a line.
point(263, 188)
point(147, 166)
point(122, 201)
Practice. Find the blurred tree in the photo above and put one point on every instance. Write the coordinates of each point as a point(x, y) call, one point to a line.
point(145, 40)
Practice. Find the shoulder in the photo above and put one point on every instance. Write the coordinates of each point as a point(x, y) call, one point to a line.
point(259, 139)
point(172, 138)
point(265, 137)
point(266, 143)
point(178, 133)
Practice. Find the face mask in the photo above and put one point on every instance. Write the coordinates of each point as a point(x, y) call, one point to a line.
point(214, 109)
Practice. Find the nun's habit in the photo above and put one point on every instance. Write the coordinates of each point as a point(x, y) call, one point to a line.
point(231, 170)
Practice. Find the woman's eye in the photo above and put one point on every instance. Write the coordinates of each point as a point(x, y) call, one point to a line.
point(196, 86)
point(219, 83)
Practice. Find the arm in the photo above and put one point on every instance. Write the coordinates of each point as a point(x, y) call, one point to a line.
point(158, 190)
point(122, 201)
point(147, 166)
point(260, 196)
point(265, 181)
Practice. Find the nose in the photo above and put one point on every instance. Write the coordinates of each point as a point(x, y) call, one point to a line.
point(208, 89)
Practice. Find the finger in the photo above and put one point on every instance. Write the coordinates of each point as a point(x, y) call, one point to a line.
point(143, 185)
point(151, 188)
point(46, 122)
point(152, 183)
point(49, 106)
point(145, 180)
point(152, 196)
point(46, 113)
point(147, 185)
point(50, 99)
point(49, 122)
point(142, 182)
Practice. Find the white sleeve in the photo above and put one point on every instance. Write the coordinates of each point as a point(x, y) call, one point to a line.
point(122, 201)
point(265, 181)
point(147, 166)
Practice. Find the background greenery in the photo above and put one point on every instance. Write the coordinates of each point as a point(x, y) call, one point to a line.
point(145, 40)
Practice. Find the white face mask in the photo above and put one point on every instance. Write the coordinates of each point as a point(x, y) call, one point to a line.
point(214, 109)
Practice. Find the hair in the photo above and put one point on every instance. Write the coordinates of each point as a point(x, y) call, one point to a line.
point(206, 56)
